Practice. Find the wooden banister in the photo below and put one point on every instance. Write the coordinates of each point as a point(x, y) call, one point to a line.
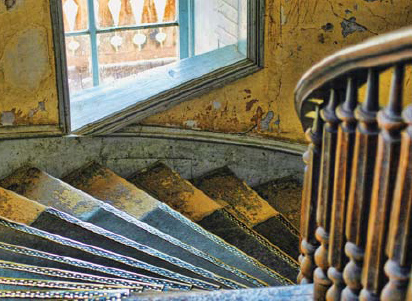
point(309, 201)
point(357, 199)
point(324, 203)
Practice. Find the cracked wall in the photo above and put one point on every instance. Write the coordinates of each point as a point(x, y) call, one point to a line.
point(27, 78)
point(298, 34)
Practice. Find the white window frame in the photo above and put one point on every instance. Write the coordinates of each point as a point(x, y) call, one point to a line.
point(102, 116)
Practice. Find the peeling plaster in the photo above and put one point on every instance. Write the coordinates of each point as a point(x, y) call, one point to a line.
point(265, 123)
point(9, 4)
point(7, 118)
point(26, 59)
point(328, 27)
point(351, 26)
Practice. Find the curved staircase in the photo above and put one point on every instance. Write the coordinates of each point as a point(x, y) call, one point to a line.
point(154, 236)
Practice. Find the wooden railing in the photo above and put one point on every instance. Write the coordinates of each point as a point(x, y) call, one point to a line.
point(357, 200)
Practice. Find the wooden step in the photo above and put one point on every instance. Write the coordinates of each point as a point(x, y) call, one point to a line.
point(246, 204)
point(59, 223)
point(285, 195)
point(104, 184)
point(167, 186)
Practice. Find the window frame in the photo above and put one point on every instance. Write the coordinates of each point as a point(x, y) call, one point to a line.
point(165, 100)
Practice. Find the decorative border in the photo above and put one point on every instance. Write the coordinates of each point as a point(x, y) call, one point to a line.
point(279, 253)
point(67, 295)
point(146, 249)
point(97, 252)
point(63, 285)
point(228, 247)
point(52, 272)
point(172, 240)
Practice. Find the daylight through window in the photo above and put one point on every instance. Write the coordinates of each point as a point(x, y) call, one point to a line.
point(110, 40)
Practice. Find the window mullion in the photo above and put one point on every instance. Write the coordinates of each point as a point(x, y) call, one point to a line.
point(186, 28)
point(93, 43)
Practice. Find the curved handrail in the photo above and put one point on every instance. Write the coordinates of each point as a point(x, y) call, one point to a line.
point(379, 52)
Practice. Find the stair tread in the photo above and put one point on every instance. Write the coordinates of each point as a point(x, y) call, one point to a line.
point(246, 204)
point(168, 186)
point(56, 222)
point(285, 195)
point(28, 237)
point(36, 272)
point(104, 184)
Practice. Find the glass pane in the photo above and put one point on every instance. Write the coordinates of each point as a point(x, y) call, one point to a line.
point(126, 53)
point(113, 13)
point(220, 23)
point(75, 15)
point(78, 63)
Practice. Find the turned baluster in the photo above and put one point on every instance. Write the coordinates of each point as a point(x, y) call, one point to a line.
point(399, 247)
point(326, 179)
point(344, 155)
point(360, 186)
point(387, 159)
point(309, 200)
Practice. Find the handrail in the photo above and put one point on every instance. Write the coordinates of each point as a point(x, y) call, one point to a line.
point(359, 173)
point(381, 51)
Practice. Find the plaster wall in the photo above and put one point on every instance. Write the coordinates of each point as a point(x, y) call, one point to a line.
point(298, 34)
point(28, 93)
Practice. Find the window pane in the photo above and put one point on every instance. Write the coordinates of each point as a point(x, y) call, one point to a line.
point(78, 63)
point(75, 15)
point(127, 53)
point(113, 13)
point(220, 23)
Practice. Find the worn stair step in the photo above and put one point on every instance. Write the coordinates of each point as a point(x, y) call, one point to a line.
point(166, 185)
point(17, 256)
point(223, 185)
point(49, 191)
point(22, 235)
point(56, 222)
point(64, 294)
point(7, 283)
point(34, 272)
point(104, 184)
point(285, 195)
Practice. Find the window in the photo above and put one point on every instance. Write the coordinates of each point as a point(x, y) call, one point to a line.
point(126, 59)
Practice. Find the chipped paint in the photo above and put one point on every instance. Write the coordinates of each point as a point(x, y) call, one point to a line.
point(292, 38)
point(169, 187)
point(351, 26)
point(18, 208)
point(27, 76)
point(293, 29)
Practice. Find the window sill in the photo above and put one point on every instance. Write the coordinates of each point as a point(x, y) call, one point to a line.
point(105, 109)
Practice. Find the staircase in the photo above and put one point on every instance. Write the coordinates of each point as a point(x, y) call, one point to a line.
point(94, 235)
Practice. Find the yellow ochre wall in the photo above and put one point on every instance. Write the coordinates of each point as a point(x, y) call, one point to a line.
point(298, 34)
point(28, 93)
